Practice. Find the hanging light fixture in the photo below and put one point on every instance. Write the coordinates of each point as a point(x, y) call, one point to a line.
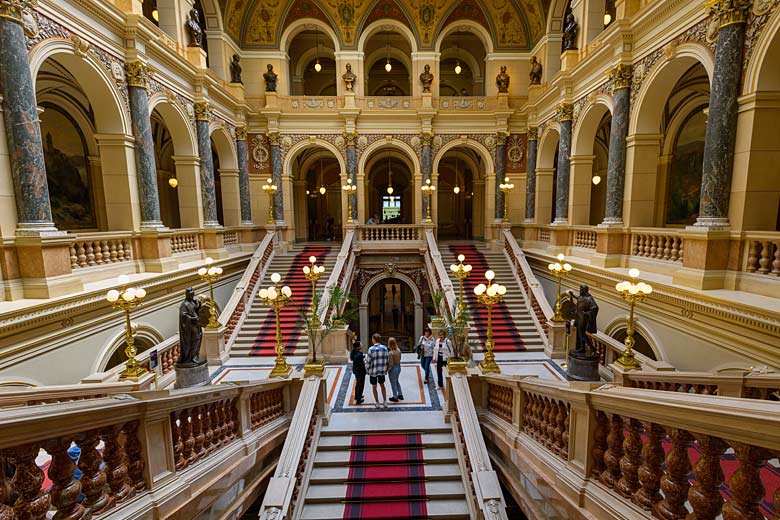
point(458, 68)
point(388, 65)
point(322, 184)
point(173, 182)
point(456, 189)
point(156, 15)
point(317, 65)
point(389, 175)
point(607, 19)
point(596, 179)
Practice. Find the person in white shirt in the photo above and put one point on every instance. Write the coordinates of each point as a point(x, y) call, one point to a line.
point(442, 352)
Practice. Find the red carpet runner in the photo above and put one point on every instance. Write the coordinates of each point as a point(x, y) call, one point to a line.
point(290, 316)
point(386, 478)
point(506, 338)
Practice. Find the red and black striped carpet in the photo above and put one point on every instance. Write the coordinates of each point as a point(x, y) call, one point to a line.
point(386, 478)
point(506, 337)
point(289, 317)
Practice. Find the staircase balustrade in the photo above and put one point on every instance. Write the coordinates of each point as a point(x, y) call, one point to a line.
point(438, 273)
point(532, 289)
point(94, 249)
point(154, 444)
point(659, 452)
point(341, 276)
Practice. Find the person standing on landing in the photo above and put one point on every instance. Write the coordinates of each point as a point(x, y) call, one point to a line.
point(394, 370)
point(377, 359)
point(425, 347)
point(358, 370)
point(443, 351)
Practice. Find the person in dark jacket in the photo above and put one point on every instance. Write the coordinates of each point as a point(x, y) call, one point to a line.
point(358, 369)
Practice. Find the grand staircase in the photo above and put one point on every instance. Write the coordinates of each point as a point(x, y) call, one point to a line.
point(513, 327)
point(361, 472)
point(257, 336)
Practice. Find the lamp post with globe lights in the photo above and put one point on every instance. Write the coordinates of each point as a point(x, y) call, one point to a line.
point(270, 188)
point(277, 299)
point(459, 329)
point(428, 189)
point(559, 270)
point(462, 272)
point(313, 273)
point(631, 292)
point(211, 274)
point(127, 299)
point(489, 295)
point(506, 187)
point(350, 190)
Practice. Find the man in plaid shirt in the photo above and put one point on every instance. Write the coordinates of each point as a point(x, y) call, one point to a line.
point(377, 360)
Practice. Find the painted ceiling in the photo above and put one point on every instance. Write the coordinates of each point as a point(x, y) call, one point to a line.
point(513, 24)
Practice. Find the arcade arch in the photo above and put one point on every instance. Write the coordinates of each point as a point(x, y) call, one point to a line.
point(377, 301)
point(590, 155)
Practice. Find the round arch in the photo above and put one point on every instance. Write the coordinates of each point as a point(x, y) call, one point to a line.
point(555, 16)
point(466, 26)
point(310, 55)
point(380, 54)
point(658, 84)
point(380, 157)
point(464, 56)
point(363, 309)
point(762, 70)
point(307, 24)
point(386, 24)
point(620, 323)
point(391, 143)
point(548, 144)
point(478, 147)
point(20, 383)
point(213, 15)
point(144, 332)
point(584, 133)
point(297, 148)
point(225, 147)
point(101, 90)
point(178, 123)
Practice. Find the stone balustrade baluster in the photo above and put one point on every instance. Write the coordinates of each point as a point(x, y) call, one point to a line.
point(135, 460)
point(99, 245)
point(82, 255)
point(766, 252)
point(32, 502)
point(704, 496)
point(208, 431)
point(561, 438)
point(178, 442)
point(631, 460)
point(93, 478)
point(113, 255)
point(667, 247)
point(185, 426)
point(651, 470)
point(220, 426)
point(776, 261)
point(65, 490)
point(614, 452)
point(116, 464)
point(74, 259)
point(747, 489)
point(550, 411)
point(197, 433)
point(674, 483)
point(90, 254)
point(752, 261)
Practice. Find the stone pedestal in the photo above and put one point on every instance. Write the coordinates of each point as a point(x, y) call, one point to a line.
point(503, 102)
point(609, 246)
point(156, 251)
point(196, 56)
point(569, 60)
point(706, 258)
point(349, 100)
point(213, 346)
point(427, 100)
point(333, 349)
point(534, 91)
point(271, 100)
point(214, 243)
point(556, 343)
point(237, 89)
point(191, 376)
point(44, 266)
point(582, 368)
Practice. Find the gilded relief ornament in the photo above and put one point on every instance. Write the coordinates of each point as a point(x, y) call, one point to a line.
point(426, 14)
point(260, 154)
point(761, 7)
point(273, 138)
point(565, 112)
point(427, 138)
point(533, 133)
point(137, 74)
point(729, 12)
point(241, 132)
point(515, 151)
point(15, 9)
point(621, 76)
point(202, 111)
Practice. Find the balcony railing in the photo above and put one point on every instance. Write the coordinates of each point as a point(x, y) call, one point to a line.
point(184, 241)
point(389, 233)
point(94, 249)
point(657, 244)
point(763, 253)
point(585, 238)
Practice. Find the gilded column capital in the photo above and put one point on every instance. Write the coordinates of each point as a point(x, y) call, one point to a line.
point(729, 12)
point(137, 73)
point(427, 138)
point(501, 138)
point(14, 9)
point(533, 133)
point(273, 137)
point(565, 112)
point(202, 111)
point(351, 138)
point(622, 76)
point(241, 132)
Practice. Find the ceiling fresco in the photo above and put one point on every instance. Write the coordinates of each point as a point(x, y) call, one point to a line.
point(513, 24)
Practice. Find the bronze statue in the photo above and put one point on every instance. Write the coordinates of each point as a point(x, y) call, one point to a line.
point(270, 79)
point(536, 71)
point(190, 331)
point(349, 78)
point(585, 314)
point(426, 78)
point(235, 70)
point(570, 29)
point(196, 32)
point(502, 80)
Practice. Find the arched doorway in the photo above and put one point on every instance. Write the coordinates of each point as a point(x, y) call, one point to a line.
point(226, 183)
point(389, 187)
point(312, 64)
point(167, 183)
point(317, 190)
point(462, 65)
point(546, 176)
point(391, 304)
point(459, 196)
point(388, 64)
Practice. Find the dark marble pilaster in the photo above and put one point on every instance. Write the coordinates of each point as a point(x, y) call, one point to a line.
point(276, 171)
point(426, 163)
point(146, 169)
point(243, 175)
point(530, 183)
point(500, 173)
point(616, 164)
point(207, 189)
point(566, 114)
point(22, 127)
point(721, 135)
point(351, 141)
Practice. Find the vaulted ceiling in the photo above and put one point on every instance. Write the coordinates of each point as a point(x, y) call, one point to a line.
point(512, 24)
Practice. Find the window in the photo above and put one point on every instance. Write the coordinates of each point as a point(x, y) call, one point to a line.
point(391, 207)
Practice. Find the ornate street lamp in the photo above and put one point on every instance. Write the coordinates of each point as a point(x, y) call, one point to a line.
point(559, 270)
point(127, 299)
point(505, 188)
point(631, 292)
point(349, 189)
point(270, 188)
point(313, 273)
point(428, 189)
point(277, 299)
point(211, 274)
point(489, 295)
point(461, 271)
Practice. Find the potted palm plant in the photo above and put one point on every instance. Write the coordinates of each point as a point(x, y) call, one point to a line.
point(336, 319)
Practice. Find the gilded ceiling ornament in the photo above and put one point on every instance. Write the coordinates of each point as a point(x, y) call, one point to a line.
point(137, 74)
point(565, 112)
point(426, 14)
point(621, 75)
point(202, 111)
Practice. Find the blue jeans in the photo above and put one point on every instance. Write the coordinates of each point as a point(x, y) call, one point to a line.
point(395, 386)
point(426, 365)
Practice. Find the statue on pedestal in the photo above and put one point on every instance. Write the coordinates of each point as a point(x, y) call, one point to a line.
point(502, 81)
point(193, 26)
point(586, 312)
point(235, 70)
point(190, 330)
point(349, 78)
point(426, 78)
point(270, 79)
point(536, 71)
point(570, 29)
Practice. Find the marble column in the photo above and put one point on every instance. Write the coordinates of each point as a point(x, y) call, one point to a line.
point(351, 142)
point(721, 136)
point(616, 164)
point(243, 176)
point(145, 167)
point(22, 127)
point(276, 171)
point(207, 190)
point(426, 162)
point(500, 173)
point(565, 116)
point(530, 183)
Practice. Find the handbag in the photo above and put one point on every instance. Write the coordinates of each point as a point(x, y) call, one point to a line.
point(419, 348)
